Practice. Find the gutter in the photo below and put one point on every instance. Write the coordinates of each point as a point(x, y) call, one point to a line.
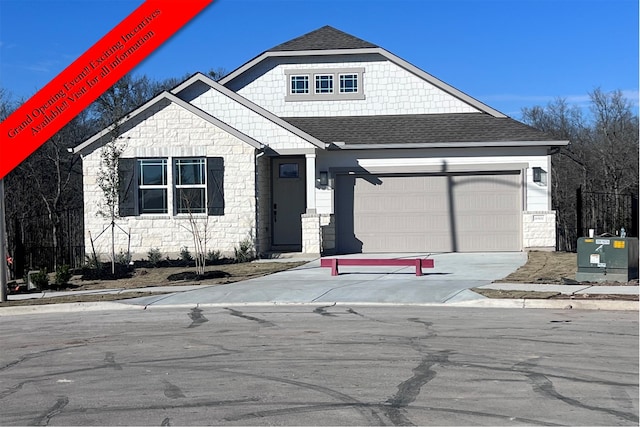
point(338, 145)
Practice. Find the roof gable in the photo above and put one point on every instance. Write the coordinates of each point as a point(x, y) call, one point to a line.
point(325, 38)
point(182, 90)
point(165, 97)
point(328, 41)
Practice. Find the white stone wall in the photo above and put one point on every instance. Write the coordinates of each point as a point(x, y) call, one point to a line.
point(318, 234)
point(328, 233)
point(311, 238)
point(167, 132)
point(248, 121)
point(539, 230)
point(388, 89)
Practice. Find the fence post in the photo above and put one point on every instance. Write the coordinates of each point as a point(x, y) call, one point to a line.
point(579, 211)
point(634, 216)
point(3, 247)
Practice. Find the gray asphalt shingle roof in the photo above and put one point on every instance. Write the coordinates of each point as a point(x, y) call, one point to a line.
point(417, 129)
point(325, 38)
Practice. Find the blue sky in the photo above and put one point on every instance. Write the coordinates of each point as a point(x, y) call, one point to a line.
point(508, 54)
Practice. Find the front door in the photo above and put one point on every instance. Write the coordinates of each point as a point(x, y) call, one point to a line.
point(288, 202)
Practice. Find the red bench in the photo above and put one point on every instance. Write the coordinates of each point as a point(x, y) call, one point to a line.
point(419, 263)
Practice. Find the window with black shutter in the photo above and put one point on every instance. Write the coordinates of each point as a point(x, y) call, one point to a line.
point(215, 186)
point(197, 185)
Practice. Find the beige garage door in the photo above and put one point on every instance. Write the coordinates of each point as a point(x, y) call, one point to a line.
point(462, 212)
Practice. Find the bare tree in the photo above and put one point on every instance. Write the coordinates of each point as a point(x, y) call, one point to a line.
point(198, 228)
point(50, 180)
point(217, 73)
point(602, 156)
point(108, 180)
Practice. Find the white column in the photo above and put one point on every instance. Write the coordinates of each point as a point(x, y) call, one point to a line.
point(311, 182)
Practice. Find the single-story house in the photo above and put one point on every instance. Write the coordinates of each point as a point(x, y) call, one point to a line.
point(325, 144)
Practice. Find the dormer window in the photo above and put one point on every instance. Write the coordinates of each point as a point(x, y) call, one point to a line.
point(325, 84)
point(300, 84)
point(348, 83)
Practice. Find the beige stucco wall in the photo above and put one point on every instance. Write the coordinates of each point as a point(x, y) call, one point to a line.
point(171, 131)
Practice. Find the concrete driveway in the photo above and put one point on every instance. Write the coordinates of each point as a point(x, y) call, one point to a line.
point(449, 281)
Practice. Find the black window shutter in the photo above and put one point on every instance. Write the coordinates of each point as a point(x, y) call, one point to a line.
point(215, 186)
point(126, 192)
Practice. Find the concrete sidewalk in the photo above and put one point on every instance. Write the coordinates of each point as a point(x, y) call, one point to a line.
point(449, 283)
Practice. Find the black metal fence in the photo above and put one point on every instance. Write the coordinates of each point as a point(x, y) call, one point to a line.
point(32, 244)
point(604, 212)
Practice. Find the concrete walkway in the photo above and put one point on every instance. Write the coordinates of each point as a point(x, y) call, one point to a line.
point(448, 283)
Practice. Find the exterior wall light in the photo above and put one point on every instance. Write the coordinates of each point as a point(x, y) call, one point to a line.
point(540, 176)
point(324, 178)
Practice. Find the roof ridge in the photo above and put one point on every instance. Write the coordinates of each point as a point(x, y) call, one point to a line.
point(323, 38)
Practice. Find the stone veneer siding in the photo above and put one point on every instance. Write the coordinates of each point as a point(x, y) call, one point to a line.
point(318, 234)
point(539, 230)
point(388, 89)
point(311, 237)
point(171, 131)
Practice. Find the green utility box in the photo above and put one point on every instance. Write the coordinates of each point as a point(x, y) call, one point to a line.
point(607, 259)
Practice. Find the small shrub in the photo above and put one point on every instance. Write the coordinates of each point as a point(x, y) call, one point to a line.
point(213, 256)
point(63, 275)
point(123, 258)
point(155, 256)
point(40, 279)
point(244, 252)
point(93, 262)
point(104, 272)
point(185, 255)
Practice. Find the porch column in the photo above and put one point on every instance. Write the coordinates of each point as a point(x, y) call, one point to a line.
point(311, 182)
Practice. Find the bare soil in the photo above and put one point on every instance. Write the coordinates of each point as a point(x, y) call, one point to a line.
point(545, 267)
point(161, 276)
point(551, 268)
point(175, 276)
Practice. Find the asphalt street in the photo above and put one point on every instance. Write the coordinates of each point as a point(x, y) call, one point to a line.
point(320, 365)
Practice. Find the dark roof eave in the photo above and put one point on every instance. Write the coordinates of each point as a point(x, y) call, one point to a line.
point(294, 53)
point(343, 146)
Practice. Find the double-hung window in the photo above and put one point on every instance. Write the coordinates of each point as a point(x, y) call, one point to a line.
point(152, 186)
point(191, 185)
point(173, 185)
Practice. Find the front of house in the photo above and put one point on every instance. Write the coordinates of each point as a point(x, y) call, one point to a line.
point(324, 144)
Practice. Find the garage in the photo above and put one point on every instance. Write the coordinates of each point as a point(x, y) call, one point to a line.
point(448, 212)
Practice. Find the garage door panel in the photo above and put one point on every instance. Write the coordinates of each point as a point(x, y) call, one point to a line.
point(412, 213)
point(415, 223)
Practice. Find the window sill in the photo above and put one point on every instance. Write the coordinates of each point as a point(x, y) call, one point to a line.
point(325, 97)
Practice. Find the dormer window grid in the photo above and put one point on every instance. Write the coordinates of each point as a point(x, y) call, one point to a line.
point(299, 84)
point(326, 84)
point(348, 83)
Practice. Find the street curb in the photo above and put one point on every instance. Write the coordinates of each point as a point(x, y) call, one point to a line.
point(73, 307)
point(480, 303)
point(521, 303)
point(563, 304)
